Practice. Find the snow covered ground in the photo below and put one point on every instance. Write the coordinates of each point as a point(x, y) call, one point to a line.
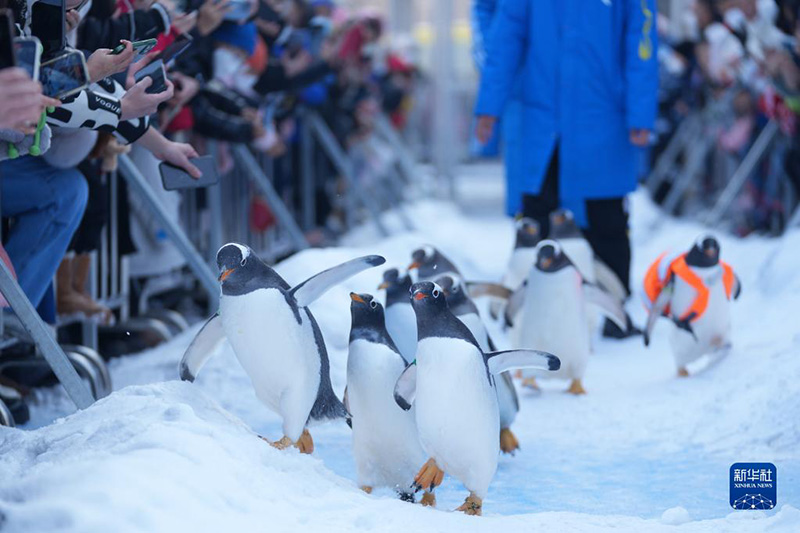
point(643, 451)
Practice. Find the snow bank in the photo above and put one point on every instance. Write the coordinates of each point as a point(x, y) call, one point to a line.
point(165, 457)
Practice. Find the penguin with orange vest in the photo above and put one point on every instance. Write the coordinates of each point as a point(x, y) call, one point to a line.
point(694, 290)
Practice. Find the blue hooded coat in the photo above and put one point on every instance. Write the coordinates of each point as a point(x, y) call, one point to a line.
point(584, 73)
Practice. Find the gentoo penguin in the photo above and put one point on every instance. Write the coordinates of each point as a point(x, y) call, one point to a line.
point(522, 257)
point(385, 441)
point(431, 263)
point(451, 384)
point(694, 290)
point(467, 312)
point(276, 338)
point(553, 312)
point(400, 319)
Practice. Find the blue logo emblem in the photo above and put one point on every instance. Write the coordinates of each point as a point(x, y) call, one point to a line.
point(754, 486)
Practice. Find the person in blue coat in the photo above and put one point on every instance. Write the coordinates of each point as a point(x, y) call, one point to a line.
point(586, 76)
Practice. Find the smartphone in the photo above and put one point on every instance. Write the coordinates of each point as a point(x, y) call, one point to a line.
point(48, 23)
point(175, 48)
point(7, 56)
point(64, 75)
point(28, 55)
point(175, 178)
point(239, 10)
point(157, 73)
point(142, 48)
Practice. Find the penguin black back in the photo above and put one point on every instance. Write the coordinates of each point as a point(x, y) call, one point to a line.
point(434, 317)
point(704, 253)
point(242, 271)
point(368, 322)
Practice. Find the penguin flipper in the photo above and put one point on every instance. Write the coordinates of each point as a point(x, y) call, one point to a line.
point(499, 362)
point(609, 280)
point(515, 304)
point(405, 390)
point(487, 288)
point(203, 346)
point(608, 304)
point(318, 284)
point(657, 310)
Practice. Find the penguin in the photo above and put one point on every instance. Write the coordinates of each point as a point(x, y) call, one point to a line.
point(431, 263)
point(695, 291)
point(553, 312)
point(275, 338)
point(451, 385)
point(528, 235)
point(467, 312)
point(385, 441)
point(400, 319)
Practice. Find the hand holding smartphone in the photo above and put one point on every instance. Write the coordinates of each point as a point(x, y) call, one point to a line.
point(156, 72)
point(65, 75)
point(175, 178)
point(141, 48)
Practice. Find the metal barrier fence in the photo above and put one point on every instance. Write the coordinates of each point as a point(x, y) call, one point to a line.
point(202, 231)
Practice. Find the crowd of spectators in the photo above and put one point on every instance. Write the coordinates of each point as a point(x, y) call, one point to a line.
point(250, 66)
point(741, 60)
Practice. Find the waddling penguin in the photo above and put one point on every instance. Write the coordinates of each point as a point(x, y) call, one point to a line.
point(467, 312)
point(385, 441)
point(276, 338)
point(553, 311)
point(400, 319)
point(431, 263)
point(451, 384)
point(694, 290)
point(522, 257)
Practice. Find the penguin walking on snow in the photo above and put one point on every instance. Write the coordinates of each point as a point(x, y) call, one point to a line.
point(385, 441)
point(507, 400)
point(550, 312)
point(695, 291)
point(400, 319)
point(451, 384)
point(430, 263)
point(522, 257)
point(275, 338)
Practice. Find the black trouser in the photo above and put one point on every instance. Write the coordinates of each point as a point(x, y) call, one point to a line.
point(607, 230)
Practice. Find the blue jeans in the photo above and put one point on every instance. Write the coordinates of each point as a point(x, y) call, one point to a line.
point(47, 204)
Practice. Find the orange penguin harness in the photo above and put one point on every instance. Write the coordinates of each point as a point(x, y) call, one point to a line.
point(655, 281)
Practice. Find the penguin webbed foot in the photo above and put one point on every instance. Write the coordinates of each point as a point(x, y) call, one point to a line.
point(429, 477)
point(282, 444)
point(472, 505)
point(576, 388)
point(305, 443)
point(530, 383)
point(508, 441)
point(682, 372)
point(428, 499)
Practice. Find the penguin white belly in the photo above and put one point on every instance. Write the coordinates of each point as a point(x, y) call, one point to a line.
point(506, 399)
point(553, 319)
point(522, 259)
point(386, 445)
point(457, 414)
point(581, 254)
point(401, 323)
point(712, 329)
point(279, 355)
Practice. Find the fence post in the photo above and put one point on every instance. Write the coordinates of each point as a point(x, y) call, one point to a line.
point(193, 258)
point(52, 352)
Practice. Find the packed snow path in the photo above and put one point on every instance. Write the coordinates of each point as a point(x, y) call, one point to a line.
point(642, 451)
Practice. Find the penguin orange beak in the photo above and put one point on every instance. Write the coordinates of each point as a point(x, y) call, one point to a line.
point(420, 296)
point(225, 273)
point(384, 285)
point(413, 265)
point(356, 298)
point(547, 261)
point(531, 230)
point(710, 252)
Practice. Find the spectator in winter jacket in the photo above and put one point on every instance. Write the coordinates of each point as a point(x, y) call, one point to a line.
point(588, 83)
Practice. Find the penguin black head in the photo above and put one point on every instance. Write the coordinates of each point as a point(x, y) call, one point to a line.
point(427, 296)
point(528, 233)
point(396, 286)
point(242, 271)
point(704, 253)
point(562, 225)
point(430, 262)
point(366, 312)
point(550, 257)
point(453, 289)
